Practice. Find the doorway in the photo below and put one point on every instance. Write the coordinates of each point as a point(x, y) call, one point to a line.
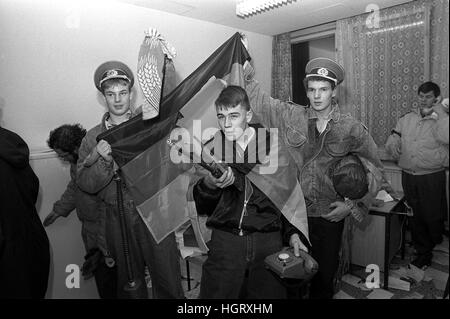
point(302, 52)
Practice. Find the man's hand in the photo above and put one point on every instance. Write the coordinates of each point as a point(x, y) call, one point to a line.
point(394, 146)
point(396, 150)
point(244, 40)
point(297, 244)
point(50, 219)
point(445, 104)
point(223, 181)
point(340, 211)
point(92, 260)
point(104, 150)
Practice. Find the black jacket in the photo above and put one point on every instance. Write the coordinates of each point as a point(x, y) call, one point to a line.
point(225, 206)
point(24, 246)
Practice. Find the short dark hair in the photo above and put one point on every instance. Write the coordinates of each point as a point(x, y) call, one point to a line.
point(112, 82)
point(232, 96)
point(428, 87)
point(66, 137)
point(317, 78)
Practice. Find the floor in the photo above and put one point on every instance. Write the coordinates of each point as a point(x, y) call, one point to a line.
point(415, 284)
point(428, 284)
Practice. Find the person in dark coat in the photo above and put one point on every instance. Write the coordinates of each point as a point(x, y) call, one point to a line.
point(24, 245)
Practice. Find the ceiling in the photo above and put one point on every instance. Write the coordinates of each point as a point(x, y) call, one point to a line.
point(299, 14)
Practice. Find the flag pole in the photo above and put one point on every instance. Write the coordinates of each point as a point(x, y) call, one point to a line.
point(132, 286)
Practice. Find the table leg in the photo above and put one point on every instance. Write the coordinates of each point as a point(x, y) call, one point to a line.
point(188, 275)
point(387, 240)
point(403, 243)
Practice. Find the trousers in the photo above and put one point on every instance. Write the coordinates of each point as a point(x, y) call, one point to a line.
point(235, 267)
point(426, 196)
point(162, 259)
point(325, 237)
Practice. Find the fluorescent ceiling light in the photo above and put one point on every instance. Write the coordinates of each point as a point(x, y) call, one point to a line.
point(246, 8)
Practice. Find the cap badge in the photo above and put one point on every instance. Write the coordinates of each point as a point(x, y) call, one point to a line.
point(322, 71)
point(112, 73)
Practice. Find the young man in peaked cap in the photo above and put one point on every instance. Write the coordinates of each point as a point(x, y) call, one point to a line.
point(317, 137)
point(95, 171)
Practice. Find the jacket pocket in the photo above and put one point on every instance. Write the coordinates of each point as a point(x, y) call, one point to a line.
point(293, 137)
point(337, 147)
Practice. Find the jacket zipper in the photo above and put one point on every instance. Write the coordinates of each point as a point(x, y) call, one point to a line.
point(244, 208)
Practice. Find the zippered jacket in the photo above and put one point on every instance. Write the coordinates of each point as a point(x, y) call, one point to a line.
point(243, 207)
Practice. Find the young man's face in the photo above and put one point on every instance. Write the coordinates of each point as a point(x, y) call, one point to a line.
point(233, 121)
point(426, 100)
point(320, 95)
point(118, 98)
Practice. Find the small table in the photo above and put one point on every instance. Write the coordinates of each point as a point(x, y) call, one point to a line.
point(375, 240)
point(387, 210)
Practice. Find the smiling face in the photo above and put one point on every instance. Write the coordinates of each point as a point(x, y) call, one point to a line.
point(117, 97)
point(233, 121)
point(320, 95)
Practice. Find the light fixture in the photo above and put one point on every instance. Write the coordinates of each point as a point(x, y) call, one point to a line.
point(247, 8)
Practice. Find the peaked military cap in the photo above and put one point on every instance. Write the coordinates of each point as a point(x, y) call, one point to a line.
point(112, 70)
point(325, 68)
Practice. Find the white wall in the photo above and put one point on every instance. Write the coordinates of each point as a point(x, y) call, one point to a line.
point(64, 234)
point(49, 50)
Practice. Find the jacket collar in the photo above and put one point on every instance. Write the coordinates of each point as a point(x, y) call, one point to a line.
point(432, 116)
point(334, 115)
point(106, 120)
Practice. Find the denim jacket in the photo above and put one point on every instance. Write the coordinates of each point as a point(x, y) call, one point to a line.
point(314, 153)
point(343, 135)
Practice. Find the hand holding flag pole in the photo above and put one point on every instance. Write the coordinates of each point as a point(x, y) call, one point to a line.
point(197, 153)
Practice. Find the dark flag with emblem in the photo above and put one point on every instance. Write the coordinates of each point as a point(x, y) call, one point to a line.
point(157, 183)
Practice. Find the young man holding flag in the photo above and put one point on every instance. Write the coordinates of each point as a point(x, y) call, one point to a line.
point(96, 171)
point(250, 208)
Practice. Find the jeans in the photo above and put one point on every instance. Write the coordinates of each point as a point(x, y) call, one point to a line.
point(162, 259)
point(235, 267)
point(325, 239)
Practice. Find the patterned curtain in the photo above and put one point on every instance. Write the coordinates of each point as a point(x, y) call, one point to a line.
point(385, 65)
point(376, 89)
point(439, 44)
point(282, 67)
